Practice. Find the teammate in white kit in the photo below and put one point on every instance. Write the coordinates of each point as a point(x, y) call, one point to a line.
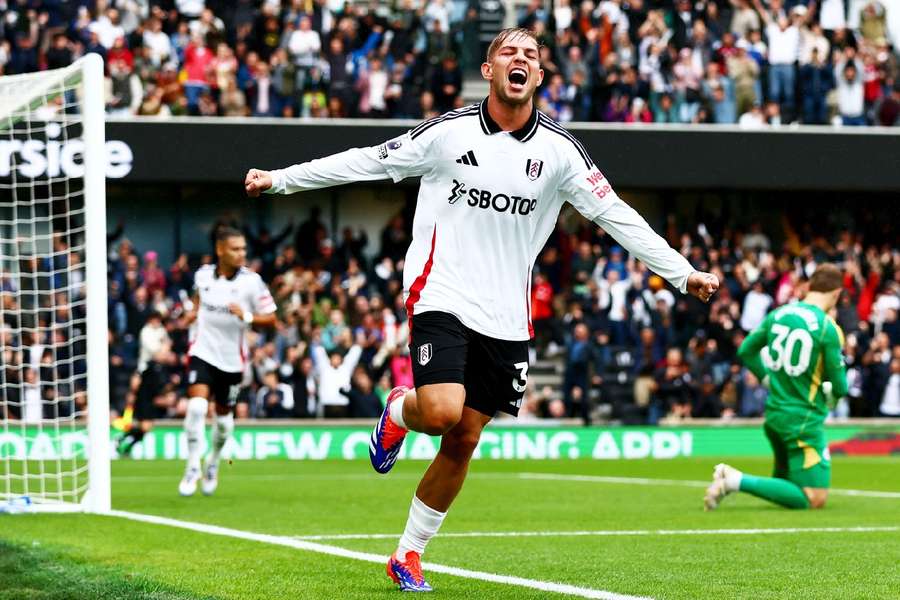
point(494, 178)
point(228, 300)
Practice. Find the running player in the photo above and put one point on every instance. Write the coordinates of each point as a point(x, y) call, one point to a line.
point(155, 363)
point(494, 178)
point(228, 300)
point(797, 353)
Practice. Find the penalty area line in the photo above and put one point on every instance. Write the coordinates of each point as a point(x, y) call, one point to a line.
point(309, 546)
point(680, 483)
point(608, 533)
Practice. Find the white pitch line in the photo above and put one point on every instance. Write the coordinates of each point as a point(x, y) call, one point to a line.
point(680, 483)
point(608, 533)
point(544, 586)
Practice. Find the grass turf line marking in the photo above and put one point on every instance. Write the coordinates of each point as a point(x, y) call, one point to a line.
point(680, 482)
point(607, 533)
point(545, 586)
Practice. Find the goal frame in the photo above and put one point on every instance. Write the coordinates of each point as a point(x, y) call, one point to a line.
point(98, 497)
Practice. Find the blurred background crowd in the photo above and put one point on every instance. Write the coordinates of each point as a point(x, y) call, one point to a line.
point(751, 62)
point(613, 342)
point(624, 345)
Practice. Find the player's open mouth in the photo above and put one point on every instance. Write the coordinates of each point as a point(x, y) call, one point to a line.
point(517, 78)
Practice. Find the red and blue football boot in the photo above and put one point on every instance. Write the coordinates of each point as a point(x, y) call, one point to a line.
point(408, 574)
point(387, 438)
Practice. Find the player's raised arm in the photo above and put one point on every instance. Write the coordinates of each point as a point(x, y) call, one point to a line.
point(593, 196)
point(399, 158)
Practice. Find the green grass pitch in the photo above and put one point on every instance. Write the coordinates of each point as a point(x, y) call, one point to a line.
point(91, 557)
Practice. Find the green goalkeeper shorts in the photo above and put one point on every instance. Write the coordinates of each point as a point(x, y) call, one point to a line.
point(801, 458)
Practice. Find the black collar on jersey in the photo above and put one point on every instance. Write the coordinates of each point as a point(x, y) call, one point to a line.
point(489, 126)
point(218, 273)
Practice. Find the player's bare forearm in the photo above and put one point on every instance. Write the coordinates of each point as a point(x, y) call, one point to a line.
point(191, 315)
point(267, 321)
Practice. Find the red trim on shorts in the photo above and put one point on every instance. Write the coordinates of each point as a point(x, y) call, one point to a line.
point(415, 291)
point(528, 304)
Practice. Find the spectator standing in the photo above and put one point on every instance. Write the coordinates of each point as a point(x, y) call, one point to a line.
point(158, 43)
point(744, 71)
point(274, 400)
point(152, 275)
point(784, 48)
point(364, 402)
point(752, 395)
point(304, 45)
point(446, 84)
point(197, 61)
point(756, 305)
point(334, 372)
point(719, 90)
point(851, 104)
point(372, 85)
point(673, 394)
point(743, 19)
point(816, 80)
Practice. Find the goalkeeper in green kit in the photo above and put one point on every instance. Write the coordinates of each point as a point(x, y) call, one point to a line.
point(797, 352)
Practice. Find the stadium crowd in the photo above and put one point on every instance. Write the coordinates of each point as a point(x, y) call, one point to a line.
point(628, 61)
point(627, 341)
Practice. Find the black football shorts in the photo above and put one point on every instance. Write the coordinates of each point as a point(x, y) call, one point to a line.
point(494, 372)
point(224, 387)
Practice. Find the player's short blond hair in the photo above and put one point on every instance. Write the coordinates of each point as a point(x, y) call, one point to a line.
point(826, 278)
point(510, 33)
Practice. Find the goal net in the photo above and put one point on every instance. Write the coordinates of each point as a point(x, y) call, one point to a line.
point(54, 405)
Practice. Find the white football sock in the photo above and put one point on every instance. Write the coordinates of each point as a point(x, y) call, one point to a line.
point(224, 427)
point(396, 411)
point(194, 426)
point(421, 526)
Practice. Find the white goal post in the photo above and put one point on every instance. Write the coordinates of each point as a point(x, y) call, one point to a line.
point(54, 383)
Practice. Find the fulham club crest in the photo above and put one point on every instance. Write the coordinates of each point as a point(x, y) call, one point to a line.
point(424, 354)
point(533, 168)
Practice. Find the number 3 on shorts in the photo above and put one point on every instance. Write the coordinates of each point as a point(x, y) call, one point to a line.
point(520, 382)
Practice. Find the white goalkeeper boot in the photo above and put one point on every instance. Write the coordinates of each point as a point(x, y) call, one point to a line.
point(723, 475)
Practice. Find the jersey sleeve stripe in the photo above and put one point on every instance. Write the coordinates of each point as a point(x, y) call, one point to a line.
point(554, 127)
point(528, 304)
point(426, 124)
point(437, 120)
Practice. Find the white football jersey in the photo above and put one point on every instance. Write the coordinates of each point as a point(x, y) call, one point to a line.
point(487, 203)
point(217, 336)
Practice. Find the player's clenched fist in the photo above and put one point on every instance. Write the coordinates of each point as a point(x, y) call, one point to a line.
point(702, 285)
point(257, 182)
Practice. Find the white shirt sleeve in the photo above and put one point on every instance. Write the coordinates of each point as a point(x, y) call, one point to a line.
point(320, 359)
point(262, 301)
point(398, 159)
point(351, 359)
point(592, 195)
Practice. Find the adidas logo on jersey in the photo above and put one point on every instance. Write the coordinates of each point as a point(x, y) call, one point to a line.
point(468, 159)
